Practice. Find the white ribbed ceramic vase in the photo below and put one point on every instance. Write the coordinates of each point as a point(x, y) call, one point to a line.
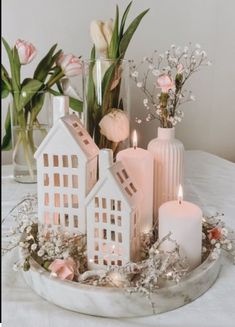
point(168, 155)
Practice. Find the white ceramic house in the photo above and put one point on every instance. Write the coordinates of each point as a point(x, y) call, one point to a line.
point(113, 216)
point(66, 170)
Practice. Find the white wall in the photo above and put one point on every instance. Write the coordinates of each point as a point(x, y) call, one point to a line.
point(209, 123)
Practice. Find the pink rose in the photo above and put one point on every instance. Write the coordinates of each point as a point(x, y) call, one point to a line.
point(70, 65)
point(165, 83)
point(215, 234)
point(64, 269)
point(26, 51)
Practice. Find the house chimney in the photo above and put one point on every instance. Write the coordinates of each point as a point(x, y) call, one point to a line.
point(60, 105)
point(105, 161)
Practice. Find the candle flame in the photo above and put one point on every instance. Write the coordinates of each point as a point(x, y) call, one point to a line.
point(180, 194)
point(134, 139)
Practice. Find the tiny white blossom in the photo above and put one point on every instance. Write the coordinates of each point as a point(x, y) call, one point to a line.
point(34, 247)
point(139, 84)
point(229, 246)
point(21, 244)
point(217, 245)
point(151, 66)
point(204, 249)
point(28, 229)
point(213, 241)
point(139, 121)
point(224, 231)
point(40, 253)
point(145, 102)
point(156, 72)
point(135, 74)
point(198, 46)
point(15, 267)
point(185, 49)
point(173, 46)
point(192, 97)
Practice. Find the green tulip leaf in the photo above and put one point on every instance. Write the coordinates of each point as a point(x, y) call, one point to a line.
point(4, 90)
point(45, 65)
point(6, 141)
point(75, 104)
point(16, 65)
point(124, 17)
point(127, 36)
point(28, 91)
point(37, 103)
point(114, 43)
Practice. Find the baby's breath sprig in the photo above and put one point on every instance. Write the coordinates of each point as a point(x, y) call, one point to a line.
point(162, 78)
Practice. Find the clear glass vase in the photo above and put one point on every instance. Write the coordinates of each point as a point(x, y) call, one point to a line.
point(28, 129)
point(106, 93)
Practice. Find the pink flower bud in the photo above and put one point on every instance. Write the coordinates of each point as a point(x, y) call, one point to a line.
point(165, 83)
point(70, 65)
point(26, 51)
point(64, 269)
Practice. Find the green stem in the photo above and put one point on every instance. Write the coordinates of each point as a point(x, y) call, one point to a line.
point(55, 79)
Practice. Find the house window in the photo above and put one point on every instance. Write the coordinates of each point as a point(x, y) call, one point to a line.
point(133, 187)
point(75, 221)
point(105, 262)
point(65, 200)
point(75, 181)
point(128, 191)
point(74, 201)
point(86, 141)
point(112, 204)
point(96, 259)
point(112, 235)
point(56, 218)
point(112, 263)
point(74, 160)
point(57, 200)
point(96, 217)
point(125, 174)
point(75, 124)
point(46, 179)
point(96, 246)
point(119, 205)
point(45, 160)
point(112, 219)
point(105, 234)
point(120, 178)
point(104, 216)
point(103, 203)
point(46, 199)
point(65, 180)
point(96, 232)
point(66, 220)
point(104, 248)
point(119, 262)
point(55, 161)
point(96, 202)
point(46, 217)
point(80, 133)
point(119, 221)
point(65, 161)
point(56, 180)
point(120, 237)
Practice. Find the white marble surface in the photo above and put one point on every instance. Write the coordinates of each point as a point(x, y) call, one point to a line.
point(210, 183)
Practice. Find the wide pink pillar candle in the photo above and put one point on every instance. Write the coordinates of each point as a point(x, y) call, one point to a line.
point(184, 220)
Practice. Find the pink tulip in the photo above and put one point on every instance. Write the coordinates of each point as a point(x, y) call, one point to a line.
point(64, 269)
point(70, 65)
point(26, 51)
point(165, 83)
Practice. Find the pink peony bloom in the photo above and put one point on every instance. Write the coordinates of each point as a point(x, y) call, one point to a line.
point(165, 83)
point(115, 126)
point(215, 234)
point(70, 65)
point(64, 269)
point(26, 51)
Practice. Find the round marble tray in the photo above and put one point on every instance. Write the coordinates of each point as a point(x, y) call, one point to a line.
point(116, 303)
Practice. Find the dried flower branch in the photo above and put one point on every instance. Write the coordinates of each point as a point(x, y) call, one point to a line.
point(163, 81)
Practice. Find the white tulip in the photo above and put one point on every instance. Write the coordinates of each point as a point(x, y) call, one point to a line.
point(101, 35)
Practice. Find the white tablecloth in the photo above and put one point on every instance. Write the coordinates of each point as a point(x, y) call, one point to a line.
point(210, 183)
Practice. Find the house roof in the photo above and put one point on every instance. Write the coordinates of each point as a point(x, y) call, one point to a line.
point(75, 128)
point(124, 182)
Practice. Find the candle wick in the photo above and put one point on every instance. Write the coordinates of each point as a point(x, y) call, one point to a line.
point(179, 201)
point(135, 147)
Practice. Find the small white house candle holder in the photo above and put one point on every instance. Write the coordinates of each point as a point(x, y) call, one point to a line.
point(113, 216)
point(66, 170)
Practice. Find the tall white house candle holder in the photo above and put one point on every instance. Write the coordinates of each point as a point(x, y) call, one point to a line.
point(168, 153)
point(113, 216)
point(184, 220)
point(67, 170)
point(140, 163)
